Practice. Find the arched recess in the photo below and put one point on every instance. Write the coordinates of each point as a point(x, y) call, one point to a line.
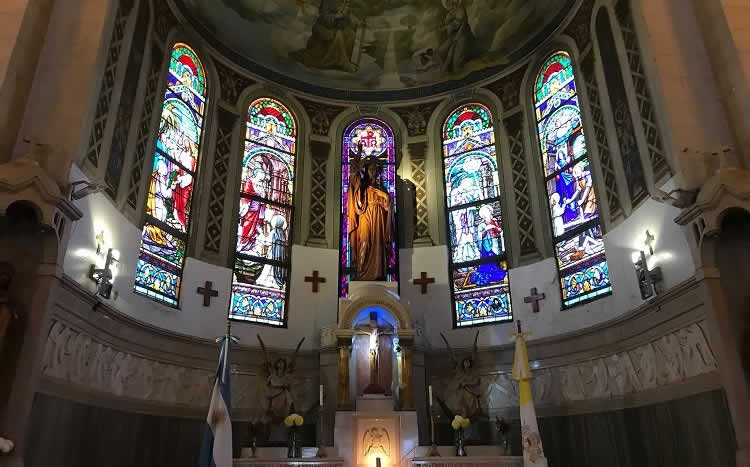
point(176, 161)
point(370, 296)
point(566, 161)
point(388, 120)
point(474, 211)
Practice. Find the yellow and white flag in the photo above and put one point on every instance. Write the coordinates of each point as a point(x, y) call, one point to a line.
point(533, 453)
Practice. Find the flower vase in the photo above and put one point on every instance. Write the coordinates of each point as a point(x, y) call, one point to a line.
point(293, 451)
point(460, 449)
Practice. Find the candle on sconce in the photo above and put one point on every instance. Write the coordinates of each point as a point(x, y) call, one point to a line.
point(321, 395)
point(430, 389)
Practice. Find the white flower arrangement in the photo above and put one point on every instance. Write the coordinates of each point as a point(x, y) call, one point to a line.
point(294, 419)
point(459, 422)
point(6, 445)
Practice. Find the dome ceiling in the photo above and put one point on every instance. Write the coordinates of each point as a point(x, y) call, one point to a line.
point(375, 49)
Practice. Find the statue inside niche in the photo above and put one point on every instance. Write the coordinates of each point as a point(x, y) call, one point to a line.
point(369, 213)
point(280, 382)
point(464, 394)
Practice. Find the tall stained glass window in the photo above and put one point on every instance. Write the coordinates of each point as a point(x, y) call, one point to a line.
point(579, 246)
point(162, 254)
point(375, 141)
point(260, 281)
point(478, 261)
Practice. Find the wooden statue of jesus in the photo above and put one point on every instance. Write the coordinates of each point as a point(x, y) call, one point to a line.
point(369, 216)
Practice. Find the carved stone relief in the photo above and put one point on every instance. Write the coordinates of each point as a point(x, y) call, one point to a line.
point(321, 115)
point(670, 359)
point(232, 83)
point(508, 88)
point(74, 357)
point(416, 117)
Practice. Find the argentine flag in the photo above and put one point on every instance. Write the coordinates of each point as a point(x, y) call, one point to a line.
point(216, 450)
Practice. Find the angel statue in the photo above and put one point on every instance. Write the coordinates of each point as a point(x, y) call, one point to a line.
point(280, 380)
point(466, 385)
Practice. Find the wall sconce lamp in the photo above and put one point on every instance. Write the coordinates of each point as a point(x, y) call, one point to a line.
point(647, 278)
point(103, 277)
point(86, 188)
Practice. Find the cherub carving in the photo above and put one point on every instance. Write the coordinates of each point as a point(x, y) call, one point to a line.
point(468, 385)
point(280, 380)
point(377, 442)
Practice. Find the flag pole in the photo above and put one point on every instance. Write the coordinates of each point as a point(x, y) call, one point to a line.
point(533, 452)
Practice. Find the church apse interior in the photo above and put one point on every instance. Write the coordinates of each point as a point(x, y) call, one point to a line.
point(394, 233)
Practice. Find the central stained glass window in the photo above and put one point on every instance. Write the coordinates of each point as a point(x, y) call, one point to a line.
point(374, 139)
point(260, 280)
point(579, 245)
point(478, 261)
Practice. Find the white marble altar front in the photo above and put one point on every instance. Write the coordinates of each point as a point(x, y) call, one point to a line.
point(375, 430)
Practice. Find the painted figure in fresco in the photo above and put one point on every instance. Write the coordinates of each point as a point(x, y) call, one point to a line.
point(489, 236)
point(332, 42)
point(459, 44)
point(369, 219)
point(280, 382)
point(252, 211)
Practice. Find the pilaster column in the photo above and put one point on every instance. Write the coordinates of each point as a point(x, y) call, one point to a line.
point(24, 24)
point(727, 70)
point(406, 391)
point(343, 378)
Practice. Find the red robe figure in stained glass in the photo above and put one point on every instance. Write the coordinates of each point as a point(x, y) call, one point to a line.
point(251, 211)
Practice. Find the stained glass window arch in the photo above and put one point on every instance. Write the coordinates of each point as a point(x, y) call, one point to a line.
point(478, 271)
point(173, 174)
point(571, 198)
point(262, 257)
point(376, 140)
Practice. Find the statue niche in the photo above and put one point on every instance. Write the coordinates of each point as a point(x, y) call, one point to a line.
point(370, 218)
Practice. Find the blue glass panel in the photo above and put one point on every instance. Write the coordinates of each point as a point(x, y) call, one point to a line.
point(476, 232)
point(471, 177)
point(572, 200)
point(258, 305)
point(483, 306)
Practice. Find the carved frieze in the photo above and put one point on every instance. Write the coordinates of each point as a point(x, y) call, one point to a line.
point(416, 117)
point(321, 115)
point(232, 83)
point(508, 88)
point(670, 359)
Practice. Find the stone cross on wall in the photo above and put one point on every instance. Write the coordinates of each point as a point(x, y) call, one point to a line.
point(207, 292)
point(316, 280)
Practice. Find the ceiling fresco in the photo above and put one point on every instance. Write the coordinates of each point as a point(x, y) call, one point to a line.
point(376, 45)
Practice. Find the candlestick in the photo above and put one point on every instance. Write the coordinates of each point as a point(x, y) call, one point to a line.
point(430, 390)
point(321, 395)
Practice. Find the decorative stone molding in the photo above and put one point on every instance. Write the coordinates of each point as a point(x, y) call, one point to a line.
point(416, 117)
point(231, 83)
point(319, 151)
point(580, 27)
point(143, 138)
point(321, 115)
point(373, 295)
point(312, 462)
point(165, 19)
point(727, 188)
point(670, 359)
point(602, 143)
point(508, 88)
point(521, 186)
point(651, 130)
point(481, 461)
point(218, 189)
point(417, 161)
point(108, 83)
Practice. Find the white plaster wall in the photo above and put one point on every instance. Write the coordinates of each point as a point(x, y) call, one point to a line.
point(671, 253)
point(309, 312)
